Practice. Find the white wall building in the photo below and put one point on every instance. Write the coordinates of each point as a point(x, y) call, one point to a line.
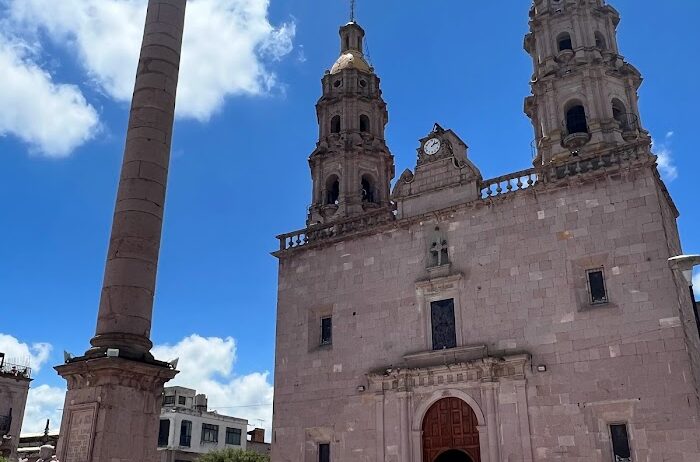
point(188, 430)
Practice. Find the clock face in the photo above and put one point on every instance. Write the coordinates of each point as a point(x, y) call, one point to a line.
point(431, 146)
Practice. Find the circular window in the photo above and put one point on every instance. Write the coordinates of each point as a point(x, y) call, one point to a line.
point(337, 83)
point(363, 83)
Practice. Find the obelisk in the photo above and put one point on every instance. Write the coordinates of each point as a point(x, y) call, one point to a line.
point(112, 407)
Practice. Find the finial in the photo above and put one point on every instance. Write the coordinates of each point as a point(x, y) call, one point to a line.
point(352, 10)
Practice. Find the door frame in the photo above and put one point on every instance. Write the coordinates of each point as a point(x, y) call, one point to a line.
point(419, 415)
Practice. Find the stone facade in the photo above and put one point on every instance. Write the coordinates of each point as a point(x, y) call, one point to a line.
point(14, 388)
point(529, 317)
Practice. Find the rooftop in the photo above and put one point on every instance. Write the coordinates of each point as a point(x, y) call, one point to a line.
point(14, 368)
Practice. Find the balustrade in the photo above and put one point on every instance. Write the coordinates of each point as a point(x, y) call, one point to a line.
point(316, 233)
point(495, 187)
point(507, 183)
point(606, 160)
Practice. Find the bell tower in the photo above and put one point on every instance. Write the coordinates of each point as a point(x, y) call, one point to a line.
point(351, 167)
point(584, 93)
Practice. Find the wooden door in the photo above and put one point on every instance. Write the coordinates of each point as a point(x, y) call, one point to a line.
point(450, 424)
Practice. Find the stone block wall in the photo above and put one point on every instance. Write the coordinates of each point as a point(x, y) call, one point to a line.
point(518, 262)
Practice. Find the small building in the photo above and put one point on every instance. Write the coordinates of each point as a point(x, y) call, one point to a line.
point(14, 388)
point(256, 442)
point(188, 429)
point(34, 446)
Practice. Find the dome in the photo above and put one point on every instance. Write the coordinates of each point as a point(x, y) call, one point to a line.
point(352, 59)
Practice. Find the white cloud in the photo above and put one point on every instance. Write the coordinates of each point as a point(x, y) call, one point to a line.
point(207, 365)
point(44, 402)
point(225, 48)
point(663, 151)
point(16, 352)
point(52, 118)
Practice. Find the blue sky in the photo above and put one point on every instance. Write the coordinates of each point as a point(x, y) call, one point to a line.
point(239, 172)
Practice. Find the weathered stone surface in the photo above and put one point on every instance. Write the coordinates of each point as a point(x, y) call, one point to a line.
point(544, 368)
point(113, 402)
point(136, 229)
point(112, 410)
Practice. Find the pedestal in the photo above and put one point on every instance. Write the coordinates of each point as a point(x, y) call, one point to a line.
point(112, 410)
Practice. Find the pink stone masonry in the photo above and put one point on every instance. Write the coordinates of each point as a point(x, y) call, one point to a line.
point(126, 304)
point(112, 406)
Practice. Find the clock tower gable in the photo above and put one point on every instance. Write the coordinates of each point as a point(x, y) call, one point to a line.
point(443, 176)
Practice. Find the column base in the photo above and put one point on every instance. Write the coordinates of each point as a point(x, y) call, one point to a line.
point(112, 410)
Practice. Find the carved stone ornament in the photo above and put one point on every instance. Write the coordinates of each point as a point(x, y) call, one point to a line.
point(115, 371)
point(438, 369)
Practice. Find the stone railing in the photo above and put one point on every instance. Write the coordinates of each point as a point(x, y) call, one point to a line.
point(507, 183)
point(606, 162)
point(315, 233)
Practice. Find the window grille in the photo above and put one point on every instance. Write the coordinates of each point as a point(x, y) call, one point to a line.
point(621, 443)
point(443, 324)
point(596, 287)
point(233, 436)
point(326, 330)
point(210, 433)
point(324, 452)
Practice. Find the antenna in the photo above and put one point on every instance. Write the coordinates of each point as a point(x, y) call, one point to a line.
point(352, 10)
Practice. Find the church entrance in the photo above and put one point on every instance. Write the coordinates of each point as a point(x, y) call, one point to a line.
point(450, 432)
point(453, 455)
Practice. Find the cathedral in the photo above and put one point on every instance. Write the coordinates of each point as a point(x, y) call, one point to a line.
point(455, 318)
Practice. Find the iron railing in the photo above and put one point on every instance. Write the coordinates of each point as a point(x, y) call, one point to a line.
point(7, 368)
point(575, 131)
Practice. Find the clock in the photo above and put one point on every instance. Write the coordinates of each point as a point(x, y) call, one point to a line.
point(432, 146)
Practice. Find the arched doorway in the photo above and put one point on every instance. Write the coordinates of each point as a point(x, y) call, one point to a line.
point(453, 455)
point(450, 432)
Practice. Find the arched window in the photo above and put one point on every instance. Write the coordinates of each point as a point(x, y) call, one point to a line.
point(600, 41)
point(332, 190)
point(359, 44)
point(625, 120)
point(347, 43)
point(564, 41)
point(618, 109)
point(576, 119)
point(367, 189)
point(364, 123)
point(335, 124)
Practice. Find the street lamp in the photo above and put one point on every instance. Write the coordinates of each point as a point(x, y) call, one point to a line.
point(685, 264)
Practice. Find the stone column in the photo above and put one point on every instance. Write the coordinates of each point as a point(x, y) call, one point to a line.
point(126, 303)
point(404, 426)
point(112, 407)
point(379, 409)
point(491, 421)
point(524, 416)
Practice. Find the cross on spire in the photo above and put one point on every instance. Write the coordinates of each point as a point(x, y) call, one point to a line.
point(352, 10)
